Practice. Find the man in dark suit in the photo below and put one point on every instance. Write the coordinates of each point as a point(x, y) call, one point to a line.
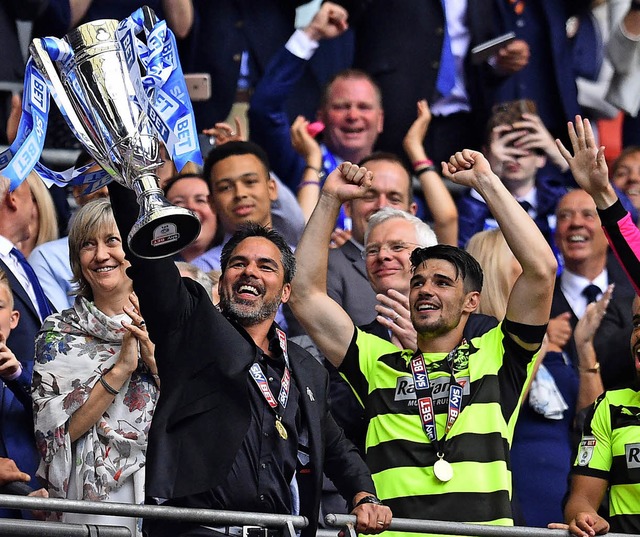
point(226, 372)
point(549, 28)
point(588, 271)
point(16, 423)
point(230, 37)
point(400, 44)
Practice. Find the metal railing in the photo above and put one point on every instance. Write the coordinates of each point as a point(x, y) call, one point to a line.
point(288, 523)
point(454, 528)
point(37, 528)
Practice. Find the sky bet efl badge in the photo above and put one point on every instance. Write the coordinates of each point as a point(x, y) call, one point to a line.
point(585, 452)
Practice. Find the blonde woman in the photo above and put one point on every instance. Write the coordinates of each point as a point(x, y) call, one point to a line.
point(500, 267)
point(44, 222)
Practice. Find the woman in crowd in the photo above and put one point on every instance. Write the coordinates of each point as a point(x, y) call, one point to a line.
point(191, 191)
point(94, 380)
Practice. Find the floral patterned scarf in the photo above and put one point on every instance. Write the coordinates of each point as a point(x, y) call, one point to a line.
point(73, 349)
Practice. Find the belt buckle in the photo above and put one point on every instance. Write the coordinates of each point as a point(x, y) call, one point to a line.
point(255, 531)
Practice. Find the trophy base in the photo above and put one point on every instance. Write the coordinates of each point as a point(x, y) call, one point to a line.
point(163, 233)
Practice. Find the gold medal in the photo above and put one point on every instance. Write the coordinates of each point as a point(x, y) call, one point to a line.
point(443, 470)
point(282, 431)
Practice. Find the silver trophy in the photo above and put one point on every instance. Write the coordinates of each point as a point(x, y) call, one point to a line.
point(98, 97)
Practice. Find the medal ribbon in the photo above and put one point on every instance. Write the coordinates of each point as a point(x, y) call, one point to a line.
point(424, 397)
point(285, 385)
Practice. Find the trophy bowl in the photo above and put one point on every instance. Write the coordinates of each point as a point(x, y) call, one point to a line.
point(99, 101)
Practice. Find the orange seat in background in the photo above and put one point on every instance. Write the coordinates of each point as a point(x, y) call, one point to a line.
point(610, 131)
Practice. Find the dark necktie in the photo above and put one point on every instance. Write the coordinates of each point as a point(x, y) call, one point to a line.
point(525, 205)
point(43, 304)
point(591, 292)
point(447, 72)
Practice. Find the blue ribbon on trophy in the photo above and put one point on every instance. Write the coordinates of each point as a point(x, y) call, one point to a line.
point(119, 115)
point(161, 93)
point(22, 156)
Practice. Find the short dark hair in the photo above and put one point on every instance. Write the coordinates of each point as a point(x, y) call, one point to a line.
point(348, 74)
point(189, 175)
point(231, 149)
point(388, 156)
point(252, 229)
point(465, 264)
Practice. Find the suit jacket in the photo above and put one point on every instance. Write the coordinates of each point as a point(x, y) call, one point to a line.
point(12, 65)
point(399, 43)
point(222, 31)
point(475, 214)
point(612, 338)
point(348, 285)
point(203, 360)
point(16, 418)
point(550, 76)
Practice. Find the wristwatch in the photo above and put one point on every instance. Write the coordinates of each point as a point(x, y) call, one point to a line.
point(369, 499)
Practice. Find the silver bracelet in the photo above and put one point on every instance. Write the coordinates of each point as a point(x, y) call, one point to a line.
point(106, 385)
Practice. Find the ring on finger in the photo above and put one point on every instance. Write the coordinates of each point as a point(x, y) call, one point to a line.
point(396, 317)
point(141, 324)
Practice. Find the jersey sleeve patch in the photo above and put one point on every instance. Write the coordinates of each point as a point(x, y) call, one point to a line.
point(585, 451)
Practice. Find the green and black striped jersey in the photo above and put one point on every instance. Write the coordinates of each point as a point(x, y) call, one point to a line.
point(493, 371)
point(610, 450)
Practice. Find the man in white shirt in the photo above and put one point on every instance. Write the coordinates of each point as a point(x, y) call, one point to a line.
point(588, 270)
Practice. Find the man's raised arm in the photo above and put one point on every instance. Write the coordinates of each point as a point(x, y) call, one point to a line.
point(530, 298)
point(325, 321)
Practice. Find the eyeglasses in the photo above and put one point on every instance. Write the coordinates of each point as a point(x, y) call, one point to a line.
point(394, 247)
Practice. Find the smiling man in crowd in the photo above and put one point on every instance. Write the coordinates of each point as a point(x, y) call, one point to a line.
point(242, 190)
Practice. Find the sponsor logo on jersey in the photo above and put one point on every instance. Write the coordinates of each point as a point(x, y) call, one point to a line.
point(585, 452)
point(632, 455)
point(405, 390)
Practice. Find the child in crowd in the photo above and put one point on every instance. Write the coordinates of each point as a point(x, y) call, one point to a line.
point(10, 368)
point(15, 378)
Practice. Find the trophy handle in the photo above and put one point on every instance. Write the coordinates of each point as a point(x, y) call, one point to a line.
point(150, 17)
point(47, 68)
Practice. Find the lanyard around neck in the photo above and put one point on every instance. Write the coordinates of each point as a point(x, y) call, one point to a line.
point(424, 396)
point(278, 405)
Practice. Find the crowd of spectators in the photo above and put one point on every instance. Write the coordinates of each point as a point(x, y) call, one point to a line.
point(403, 167)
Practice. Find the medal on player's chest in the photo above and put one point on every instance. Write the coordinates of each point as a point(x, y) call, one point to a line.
point(442, 469)
point(282, 430)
